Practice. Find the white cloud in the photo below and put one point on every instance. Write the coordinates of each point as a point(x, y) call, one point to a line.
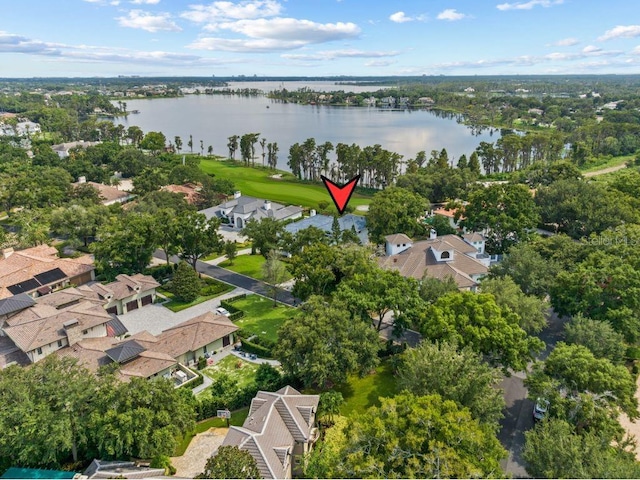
point(11, 43)
point(273, 34)
point(149, 21)
point(636, 51)
point(225, 11)
point(333, 54)
point(145, 2)
point(627, 31)
point(450, 14)
point(528, 5)
point(591, 49)
point(401, 17)
point(379, 63)
point(565, 42)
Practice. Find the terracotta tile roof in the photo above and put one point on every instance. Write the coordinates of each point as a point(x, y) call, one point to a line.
point(190, 191)
point(447, 213)
point(276, 421)
point(17, 267)
point(193, 334)
point(125, 286)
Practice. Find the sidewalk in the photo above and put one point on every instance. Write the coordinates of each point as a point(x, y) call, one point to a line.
point(219, 260)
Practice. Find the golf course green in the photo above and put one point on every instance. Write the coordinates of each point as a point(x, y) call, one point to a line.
point(260, 182)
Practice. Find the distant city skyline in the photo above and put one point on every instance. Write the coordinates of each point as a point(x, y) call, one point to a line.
point(75, 38)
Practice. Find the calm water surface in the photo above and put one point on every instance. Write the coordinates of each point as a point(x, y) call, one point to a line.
point(213, 118)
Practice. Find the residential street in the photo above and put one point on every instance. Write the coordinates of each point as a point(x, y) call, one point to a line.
point(518, 413)
point(238, 280)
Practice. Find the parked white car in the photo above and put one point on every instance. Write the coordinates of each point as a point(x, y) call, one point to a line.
point(540, 409)
point(222, 311)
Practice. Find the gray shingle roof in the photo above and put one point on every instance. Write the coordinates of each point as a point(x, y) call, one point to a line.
point(16, 303)
point(125, 351)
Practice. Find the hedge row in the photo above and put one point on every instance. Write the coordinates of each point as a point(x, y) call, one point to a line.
point(235, 312)
point(236, 298)
point(259, 350)
point(194, 383)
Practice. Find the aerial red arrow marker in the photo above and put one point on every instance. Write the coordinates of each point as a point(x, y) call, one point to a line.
point(340, 194)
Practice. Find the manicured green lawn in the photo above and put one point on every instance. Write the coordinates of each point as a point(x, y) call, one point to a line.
point(244, 375)
point(257, 182)
point(249, 265)
point(362, 393)
point(237, 418)
point(176, 305)
point(261, 316)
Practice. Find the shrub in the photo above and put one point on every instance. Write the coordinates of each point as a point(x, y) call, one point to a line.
point(202, 363)
point(163, 461)
point(186, 284)
point(160, 272)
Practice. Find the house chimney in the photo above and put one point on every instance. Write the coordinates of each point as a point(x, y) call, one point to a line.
point(312, 213)
point(267, 205)
point(237, 194)
point(433, 234)
point(82, 179)
point(73, 331)
point(7, 252)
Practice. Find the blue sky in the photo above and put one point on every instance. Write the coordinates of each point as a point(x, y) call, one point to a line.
point(317, 37)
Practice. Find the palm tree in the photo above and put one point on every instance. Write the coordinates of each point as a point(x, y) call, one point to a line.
point(190, 143)
point(263, 142)
point(178, 141)
point(210, 150)
point(201, 148)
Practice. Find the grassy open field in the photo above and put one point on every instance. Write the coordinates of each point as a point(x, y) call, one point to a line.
point(256, 182)
point(249, 265)
point(261, 316)
point(605, 163)
point(362, 393)
point(244, 375)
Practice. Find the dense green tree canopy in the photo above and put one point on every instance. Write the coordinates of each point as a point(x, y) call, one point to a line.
point(458, 375)
point(409, 437)
point(395, 210)
point(553, 450)
point(231, 462)
point(477, 321)
point(321, 345)
point(531, 310)
point(507, 211)
point(598, 336)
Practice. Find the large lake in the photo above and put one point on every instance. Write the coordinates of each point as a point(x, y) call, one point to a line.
point(213, 118)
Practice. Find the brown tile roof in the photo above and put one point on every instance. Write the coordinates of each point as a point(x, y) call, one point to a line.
point(445, 212)
point(193, 334)
point(473, 237)
point(23, 265)
point(419, 260)
point(125, 286)
point(107, 192)
point(398, 238)
point(276, 421)
point(43, 324)
point(91, 354)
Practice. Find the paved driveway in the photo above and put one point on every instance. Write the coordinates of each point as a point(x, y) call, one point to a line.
point(238, 280)
point(156, 318)
point(518, 414)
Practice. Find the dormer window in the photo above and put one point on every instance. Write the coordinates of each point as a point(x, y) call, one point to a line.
point(445, 255)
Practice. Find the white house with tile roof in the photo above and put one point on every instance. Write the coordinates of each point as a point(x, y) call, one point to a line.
point(463, 259)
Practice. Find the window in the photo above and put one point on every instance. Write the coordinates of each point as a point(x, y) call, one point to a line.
point(445, 255)
point(84, 332)
point(60, 343)
point(39, 351)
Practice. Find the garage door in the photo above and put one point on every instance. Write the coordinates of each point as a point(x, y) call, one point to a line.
point(132, 305)
point(113, 310)
point(146, 300)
